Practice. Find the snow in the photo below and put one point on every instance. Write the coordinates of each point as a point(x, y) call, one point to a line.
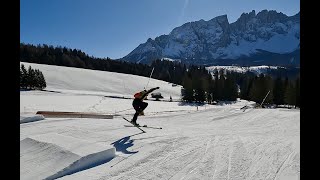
point(173, 49)
point(61, 154)
point(90, 82)
point(255, 69)
point(185, 39)
point(169, 59)
point(147, 47)
point(26, 118)
point(196, 142)
point(283, 41)
point(192, 38)
point(278, 43)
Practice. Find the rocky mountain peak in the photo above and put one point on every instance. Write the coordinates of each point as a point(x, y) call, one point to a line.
point(206, 41)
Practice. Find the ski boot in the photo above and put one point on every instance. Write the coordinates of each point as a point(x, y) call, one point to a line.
point(141, 113)
point(135, 123)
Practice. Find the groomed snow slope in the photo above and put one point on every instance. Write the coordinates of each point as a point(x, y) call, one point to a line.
point(51, 155)
point(84, 81)
point(215, 142)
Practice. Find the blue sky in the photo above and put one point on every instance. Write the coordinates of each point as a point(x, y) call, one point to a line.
point(113, 28)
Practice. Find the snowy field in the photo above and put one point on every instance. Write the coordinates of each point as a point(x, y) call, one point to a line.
point(206, 142)
point(255, 69)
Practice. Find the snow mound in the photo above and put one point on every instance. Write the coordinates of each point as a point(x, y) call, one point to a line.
point(30, 118)
point(52, 156)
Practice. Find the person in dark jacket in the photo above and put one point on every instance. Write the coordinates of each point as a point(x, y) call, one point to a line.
point(139, 105)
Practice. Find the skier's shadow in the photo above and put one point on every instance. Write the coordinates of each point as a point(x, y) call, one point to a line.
point(123, 144)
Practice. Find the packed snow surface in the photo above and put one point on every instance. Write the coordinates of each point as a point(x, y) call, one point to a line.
point(196, 142)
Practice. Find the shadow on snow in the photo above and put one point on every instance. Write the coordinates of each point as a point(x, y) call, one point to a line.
point(124, 143)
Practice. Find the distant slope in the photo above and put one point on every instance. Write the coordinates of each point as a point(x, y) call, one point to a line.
point(60, 78)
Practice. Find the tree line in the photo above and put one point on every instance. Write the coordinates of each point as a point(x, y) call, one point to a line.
point(31, 78)
point(283, 90)
point(63, 56)
point(199, 85)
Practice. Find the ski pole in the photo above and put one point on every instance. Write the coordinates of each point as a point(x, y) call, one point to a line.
point(264, 98)
point(149, 78)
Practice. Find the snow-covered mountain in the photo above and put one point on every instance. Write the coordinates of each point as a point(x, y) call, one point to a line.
point(266, 38)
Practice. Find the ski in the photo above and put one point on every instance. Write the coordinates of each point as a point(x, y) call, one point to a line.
point(144, 126)
point(133, 125)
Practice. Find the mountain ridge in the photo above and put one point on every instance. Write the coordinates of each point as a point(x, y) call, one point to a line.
point(202, 42)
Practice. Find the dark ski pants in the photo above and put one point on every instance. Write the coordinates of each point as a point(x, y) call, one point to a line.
point(139, 106)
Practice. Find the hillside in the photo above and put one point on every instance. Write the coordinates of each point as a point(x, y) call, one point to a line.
point(86, 81)
point(196, 142)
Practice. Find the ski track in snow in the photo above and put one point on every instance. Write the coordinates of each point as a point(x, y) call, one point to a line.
point(243, 152)
point(222, 143)
point(93, 107)
point(216, 142)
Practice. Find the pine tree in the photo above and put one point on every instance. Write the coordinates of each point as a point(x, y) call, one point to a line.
point(230, 88)
point(215, 86)
point(220, 86)
point(210, 92)
point(23, 77)
point(268, 86)
point(290, 94)
point(298, 92)
point(256, 93)
point(30, 78)
point(43, 83)
point(187, 94)
point(20, 77)
point(278, 91)
point(260, 88)
point(36, 79)
point(245, 87)
point(199, 90)
point(286, 83)
point(39, 81)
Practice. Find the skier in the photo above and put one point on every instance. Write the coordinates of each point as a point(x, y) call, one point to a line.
point(139, 105)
